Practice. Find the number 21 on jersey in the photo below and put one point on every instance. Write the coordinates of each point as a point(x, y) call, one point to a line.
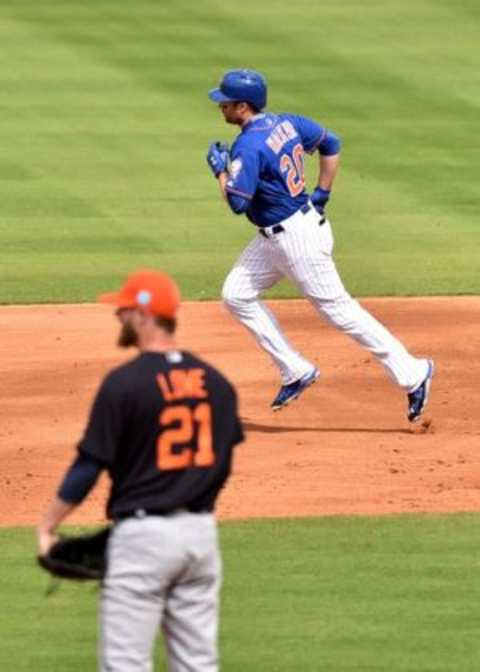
point(175, 445)
point(292, 167)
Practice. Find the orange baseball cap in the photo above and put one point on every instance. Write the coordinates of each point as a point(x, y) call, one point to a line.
point(152, 291)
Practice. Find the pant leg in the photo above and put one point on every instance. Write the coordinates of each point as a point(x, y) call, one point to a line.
point(311, 266)
point(190, 622)
point(254, 272)
point(131, 603)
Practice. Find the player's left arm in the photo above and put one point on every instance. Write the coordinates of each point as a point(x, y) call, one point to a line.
point(237, 181)
point(238, 204)
point(96, 451)
point(77, 483)
point(217, 159)
point(222, 183)
point(57, 511)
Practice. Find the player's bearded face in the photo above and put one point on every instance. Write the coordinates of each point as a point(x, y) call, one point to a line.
point(230, 112)
point(128, 335)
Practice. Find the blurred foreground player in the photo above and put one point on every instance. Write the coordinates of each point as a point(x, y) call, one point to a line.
point(164, 426)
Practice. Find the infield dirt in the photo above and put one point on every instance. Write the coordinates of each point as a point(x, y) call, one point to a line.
point(344, 448)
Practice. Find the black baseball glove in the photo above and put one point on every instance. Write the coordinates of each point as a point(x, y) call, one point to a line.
point(81, 558)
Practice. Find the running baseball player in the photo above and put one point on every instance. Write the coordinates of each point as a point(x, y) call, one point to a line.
point(164, 426)
point(262, 176)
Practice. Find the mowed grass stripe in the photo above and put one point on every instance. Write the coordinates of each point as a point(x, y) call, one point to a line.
point(396, 593)
point(105, 124)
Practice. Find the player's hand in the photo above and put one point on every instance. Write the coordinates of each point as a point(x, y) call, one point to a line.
point(45, 540)
point(319, 199)
point(217, 158)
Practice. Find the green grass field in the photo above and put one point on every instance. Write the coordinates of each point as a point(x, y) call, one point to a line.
point(396, 594)
point(105, 124)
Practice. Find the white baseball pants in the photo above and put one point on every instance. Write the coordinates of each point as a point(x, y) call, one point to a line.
point(163, 571)
point(303, 253)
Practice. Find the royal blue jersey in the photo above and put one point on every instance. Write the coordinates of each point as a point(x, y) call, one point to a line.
point(267, 179)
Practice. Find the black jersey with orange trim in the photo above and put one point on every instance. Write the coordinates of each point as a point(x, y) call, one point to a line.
point(164, 426)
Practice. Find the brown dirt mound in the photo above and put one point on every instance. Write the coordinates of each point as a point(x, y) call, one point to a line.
point(344, 448)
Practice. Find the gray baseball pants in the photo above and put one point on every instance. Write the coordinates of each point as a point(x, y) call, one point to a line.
point(163, 572)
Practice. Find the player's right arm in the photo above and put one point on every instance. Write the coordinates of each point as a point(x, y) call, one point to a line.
point(328, 170)
point(315, 137)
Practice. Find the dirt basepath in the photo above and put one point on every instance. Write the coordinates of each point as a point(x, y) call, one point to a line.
point(344, 448)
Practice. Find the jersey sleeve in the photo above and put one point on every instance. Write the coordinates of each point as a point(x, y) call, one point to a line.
point(316, 137)
point(311, 133)
point(244, 173)
point(105, 426)
point(79, 479)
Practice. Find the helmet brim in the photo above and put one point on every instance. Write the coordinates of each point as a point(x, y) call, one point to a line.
point(218, 97)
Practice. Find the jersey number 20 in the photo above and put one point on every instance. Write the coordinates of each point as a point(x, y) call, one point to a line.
point(293, 168)
point(182, 436)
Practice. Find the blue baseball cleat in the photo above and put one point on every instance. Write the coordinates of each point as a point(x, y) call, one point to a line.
point(293, 390)
point(417, 400)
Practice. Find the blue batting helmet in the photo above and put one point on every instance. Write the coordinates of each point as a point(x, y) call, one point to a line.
point(241, 86)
